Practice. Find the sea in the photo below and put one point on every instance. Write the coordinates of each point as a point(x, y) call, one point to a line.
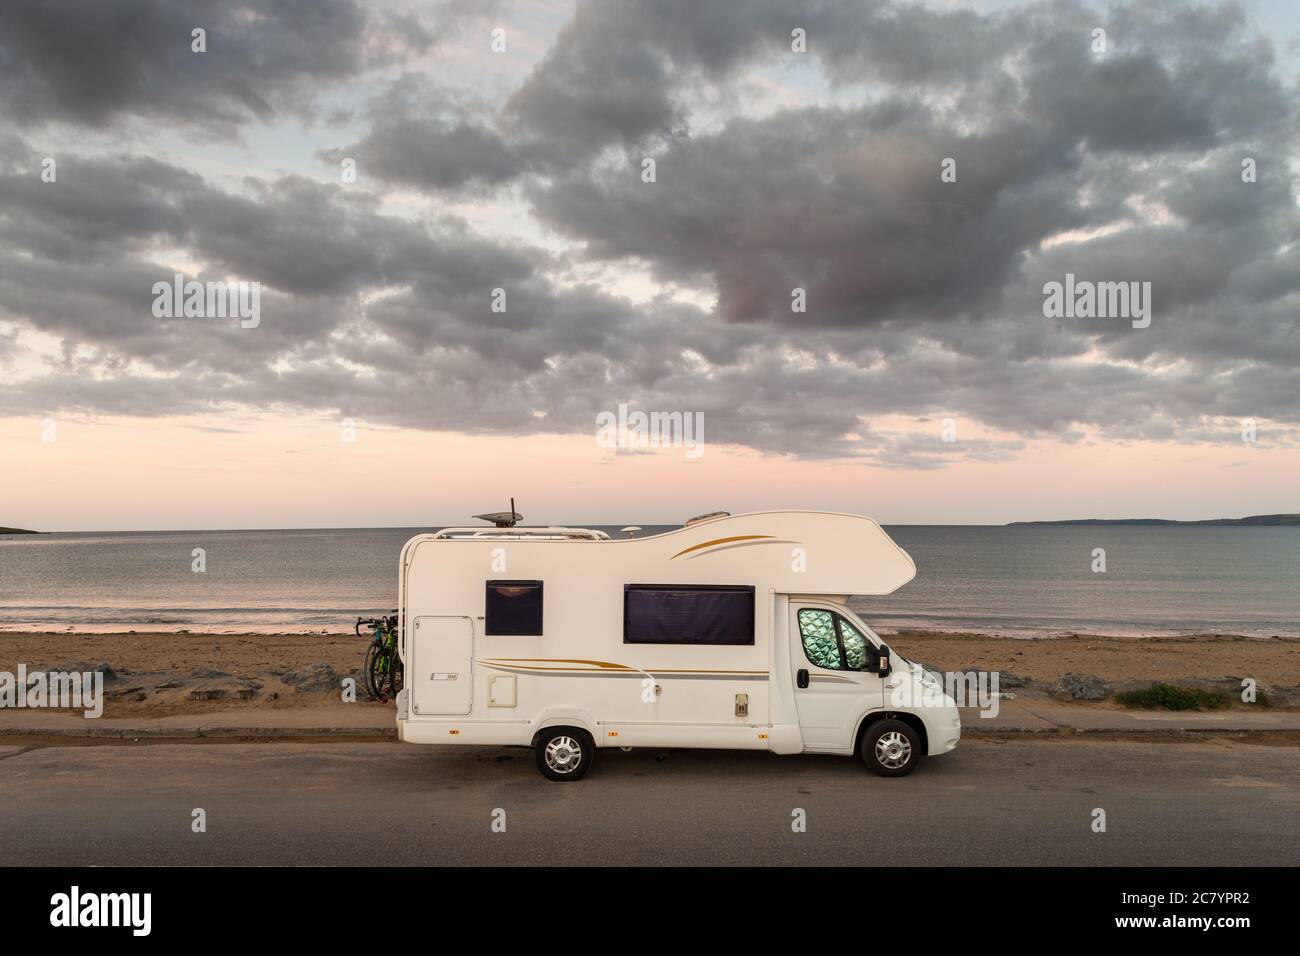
point(1019, 581)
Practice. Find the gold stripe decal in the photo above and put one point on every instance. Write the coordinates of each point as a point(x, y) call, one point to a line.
point(531, 663)
point(709, 544)
point(561, 660)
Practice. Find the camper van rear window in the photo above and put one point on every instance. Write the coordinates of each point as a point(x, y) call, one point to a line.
point(513, 607)
point(688, 614)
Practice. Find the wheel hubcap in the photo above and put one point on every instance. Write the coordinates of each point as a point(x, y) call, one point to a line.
point(893, 750)
point(563, 755)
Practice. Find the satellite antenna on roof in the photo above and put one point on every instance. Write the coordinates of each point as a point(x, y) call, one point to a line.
point(503, 519)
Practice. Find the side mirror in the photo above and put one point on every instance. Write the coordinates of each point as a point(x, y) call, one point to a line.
point(882, 662)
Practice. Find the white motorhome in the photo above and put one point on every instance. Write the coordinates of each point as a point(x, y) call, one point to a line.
point(730, 632)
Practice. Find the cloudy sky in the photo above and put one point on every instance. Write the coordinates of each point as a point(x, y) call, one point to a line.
point(380, 168)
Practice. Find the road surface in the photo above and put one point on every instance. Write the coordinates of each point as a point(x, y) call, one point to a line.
point(1015, 801)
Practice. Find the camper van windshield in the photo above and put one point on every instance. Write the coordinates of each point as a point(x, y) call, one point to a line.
point(855, 646)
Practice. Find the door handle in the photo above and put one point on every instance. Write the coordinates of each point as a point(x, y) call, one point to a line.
point(801, 678)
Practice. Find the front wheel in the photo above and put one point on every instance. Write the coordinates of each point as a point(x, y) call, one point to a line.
point(563, 753)
point(890, 748)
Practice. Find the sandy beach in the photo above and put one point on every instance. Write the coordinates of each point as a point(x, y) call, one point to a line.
point(166, 674)
point(1274, 661)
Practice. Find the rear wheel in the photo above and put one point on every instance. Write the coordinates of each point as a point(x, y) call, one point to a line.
point(368, 672)
point(383, 680)
point(563, 753)
point(890, 748)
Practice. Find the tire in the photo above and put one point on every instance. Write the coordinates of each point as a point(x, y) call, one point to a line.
point(891, 748)
point(381, 677)
point(367, 672)
point(564, 753)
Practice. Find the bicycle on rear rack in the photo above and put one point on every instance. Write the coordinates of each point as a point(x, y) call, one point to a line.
point(381, 672)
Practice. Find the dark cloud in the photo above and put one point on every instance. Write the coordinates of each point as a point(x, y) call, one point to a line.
point(81, 61)
point(92, 63)
point(847, 205)
point(429, 153)
point(93, 209)
point(426, 138)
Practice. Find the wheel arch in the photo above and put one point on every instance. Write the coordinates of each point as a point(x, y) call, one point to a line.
point(574, 720)
point(912, 720)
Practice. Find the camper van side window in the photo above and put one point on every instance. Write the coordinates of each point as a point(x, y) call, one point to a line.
point(513, 607)
point(688, 614)
point(831, 642)
point(820, 646)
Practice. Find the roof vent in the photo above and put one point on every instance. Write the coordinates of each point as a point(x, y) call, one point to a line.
point(708, 517)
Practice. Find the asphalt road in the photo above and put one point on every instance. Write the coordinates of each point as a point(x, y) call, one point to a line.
point(1018, 801)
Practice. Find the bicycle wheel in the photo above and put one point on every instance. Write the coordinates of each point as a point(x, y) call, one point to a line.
point(394, 662)
point(381, 674)
point(395, 675)
point(367, 681)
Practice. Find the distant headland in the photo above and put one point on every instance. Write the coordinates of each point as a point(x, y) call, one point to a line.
point(16, 531)
point(1252, 521)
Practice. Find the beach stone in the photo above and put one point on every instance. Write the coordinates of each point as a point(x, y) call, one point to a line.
point(167, 685)
point(1075, 687)
point(207, 672)
point(315, 678)
point(86, 667)
point(1005, 678)
point(272, 696)
point(246, 688)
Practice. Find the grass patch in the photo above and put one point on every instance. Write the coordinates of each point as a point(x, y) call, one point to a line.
point(1170, 697)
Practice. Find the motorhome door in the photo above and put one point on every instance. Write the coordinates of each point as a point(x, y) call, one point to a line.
point(828, 655)
point(441, 671)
